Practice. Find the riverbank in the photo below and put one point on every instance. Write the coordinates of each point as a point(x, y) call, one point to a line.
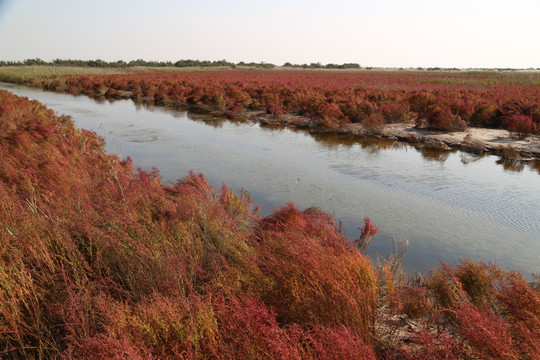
point(430, 109)
point(498, 142)
point(472, 140)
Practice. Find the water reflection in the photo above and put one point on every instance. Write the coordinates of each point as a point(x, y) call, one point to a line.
point(207, 120)
point(102, 100)
point(430, 153)
point(535, 165)
point(512, 165)
point(467, 158)
point(335, 140)
point(373, 145)
point(433, 154)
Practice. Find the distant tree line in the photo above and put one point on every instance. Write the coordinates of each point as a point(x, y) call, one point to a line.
point(321, 66)
point(98, 63)
point(180, 63)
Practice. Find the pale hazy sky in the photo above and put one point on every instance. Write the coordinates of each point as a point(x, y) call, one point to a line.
point(391, 33)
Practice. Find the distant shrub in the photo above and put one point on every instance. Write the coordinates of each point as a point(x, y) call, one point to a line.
point(440, 118)
point(273, 105)
point(374, 122)
point(421, 100)
point(236, 111)
point(463, 107)
point(521, 125)
point(395, 112)
point(508, 153)
point(330, 114)
point(358, 109)
point(528, 106)
point(486, 116)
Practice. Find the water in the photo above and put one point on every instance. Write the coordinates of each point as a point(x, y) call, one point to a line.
point(447, 205)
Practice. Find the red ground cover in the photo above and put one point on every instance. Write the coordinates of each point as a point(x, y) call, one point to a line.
point(440, 101)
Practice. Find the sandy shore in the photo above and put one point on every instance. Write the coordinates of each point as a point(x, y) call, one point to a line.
point(475, 140)
point(472, 140)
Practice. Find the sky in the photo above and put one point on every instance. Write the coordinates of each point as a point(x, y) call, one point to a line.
point(383, 33)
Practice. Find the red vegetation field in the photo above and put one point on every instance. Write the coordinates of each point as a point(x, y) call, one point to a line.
point(439, 101)
point(99, 260)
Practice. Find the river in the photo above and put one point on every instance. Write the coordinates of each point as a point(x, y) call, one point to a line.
point(448, 205)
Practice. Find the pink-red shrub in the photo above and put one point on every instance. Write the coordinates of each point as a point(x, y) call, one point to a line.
point(521, 125)
point(291, 241)
point(460, 98)
point(395, 112)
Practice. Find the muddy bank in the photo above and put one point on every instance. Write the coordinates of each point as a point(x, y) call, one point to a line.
point(472, 140)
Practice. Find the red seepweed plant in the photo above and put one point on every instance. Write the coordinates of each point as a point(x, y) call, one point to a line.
point(439, 101)
point(489, 313)
point(366, 235)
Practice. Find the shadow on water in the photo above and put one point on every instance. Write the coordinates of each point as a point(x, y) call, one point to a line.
point(374, 145)
point(512, 165)
point(535, 165)
point(434, 154)
point(467, 158)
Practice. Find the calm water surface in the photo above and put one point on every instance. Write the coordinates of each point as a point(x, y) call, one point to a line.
point(448, 205)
